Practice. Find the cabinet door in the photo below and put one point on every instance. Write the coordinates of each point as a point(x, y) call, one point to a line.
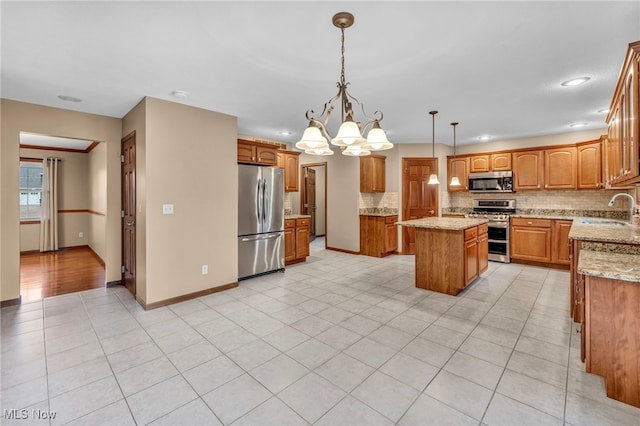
point(267, 155)
point(501, 162)
point(561, 250)
point(291, 172)
point(531, 243)
point(302, 240)
point(281, 161)
point(390, 238)
point(589, 166)
point(560, 168)
point(527, 170)
point(480, 163)
point(378, 173)
point(459, 167)
point(470, 260)
point(246, 152)
point(289, 244)
point(483, 252)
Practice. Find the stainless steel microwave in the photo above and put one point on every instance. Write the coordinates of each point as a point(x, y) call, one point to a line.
point(491, 182)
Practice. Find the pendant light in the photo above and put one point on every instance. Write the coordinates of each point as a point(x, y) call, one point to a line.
point(454, 180)
point(433, 178)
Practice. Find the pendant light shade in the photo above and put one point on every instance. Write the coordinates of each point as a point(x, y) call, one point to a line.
point(312, 139)
point(454, 180)
point(356, 151)
point(433, 178)
point(377, 139)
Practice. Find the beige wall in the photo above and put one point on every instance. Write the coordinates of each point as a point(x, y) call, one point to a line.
point(185, 156)
point(19, 116)
point(97, 199)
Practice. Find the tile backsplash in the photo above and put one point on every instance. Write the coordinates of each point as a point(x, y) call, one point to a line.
point(378, 200)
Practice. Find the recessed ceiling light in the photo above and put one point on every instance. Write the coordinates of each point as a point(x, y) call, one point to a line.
point(603, 110)
point(285, 133)
point(69, 98)
point(577, 124)
point(179, 94)
point(575, 81)
point(484, 138)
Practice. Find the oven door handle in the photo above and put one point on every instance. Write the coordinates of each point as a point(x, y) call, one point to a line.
point(502, 225)
point(499, 241)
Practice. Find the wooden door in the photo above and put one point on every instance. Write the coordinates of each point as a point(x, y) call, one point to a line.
point(289, 242)
point(128, 162)
point(309, 201)
point(590, 166)
point(379, 173)
point(483, 252)
point(479, 163)
point(501, 162)
point(459, 167)
point(302, 241)
point(560, 252)
point(471, 260)
point(560, 168)
point(527, 170)
point(419, 199)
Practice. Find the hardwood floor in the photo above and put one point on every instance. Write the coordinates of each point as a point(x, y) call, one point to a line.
point(54, 273)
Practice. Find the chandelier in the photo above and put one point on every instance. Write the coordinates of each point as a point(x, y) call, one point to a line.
point(349, 137)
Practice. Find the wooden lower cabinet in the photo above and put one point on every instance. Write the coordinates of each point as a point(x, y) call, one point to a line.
point(296, 240)
point(560, 251)
point(449, 260)
point(611, 336)
point(531, 239)
point(576, 288)
point(378, 235)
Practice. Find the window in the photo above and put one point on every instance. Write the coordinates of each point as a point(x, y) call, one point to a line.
point(30, 190)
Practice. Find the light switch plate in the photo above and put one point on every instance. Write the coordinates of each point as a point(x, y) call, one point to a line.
point(167, 209)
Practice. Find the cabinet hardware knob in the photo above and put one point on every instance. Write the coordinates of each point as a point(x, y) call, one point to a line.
point(529, 223)
point(538, 186)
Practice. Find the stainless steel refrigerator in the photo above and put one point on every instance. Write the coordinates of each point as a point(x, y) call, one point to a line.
point(260, 220)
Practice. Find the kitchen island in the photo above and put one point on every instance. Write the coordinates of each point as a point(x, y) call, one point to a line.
point(450, 252)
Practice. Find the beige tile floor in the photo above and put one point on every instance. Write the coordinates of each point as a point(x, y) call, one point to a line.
point(338, 340)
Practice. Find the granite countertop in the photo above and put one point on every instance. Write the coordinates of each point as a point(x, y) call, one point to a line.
point(605, 233)
point(449, 223)
point(625, 267)
point(296, 216)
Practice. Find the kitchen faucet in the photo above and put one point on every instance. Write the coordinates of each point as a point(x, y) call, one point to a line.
point(633, 204)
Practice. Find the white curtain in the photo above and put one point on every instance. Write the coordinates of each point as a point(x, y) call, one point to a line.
point(49, 207)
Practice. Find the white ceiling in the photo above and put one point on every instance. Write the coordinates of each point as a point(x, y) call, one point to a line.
point(496, 67)
point(45, 141)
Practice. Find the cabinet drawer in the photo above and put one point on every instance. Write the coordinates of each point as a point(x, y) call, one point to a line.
point(483, 229)
point(471, 233)
point(289, 223)
point(303, 222)
point(538, 223)
point(391, 219)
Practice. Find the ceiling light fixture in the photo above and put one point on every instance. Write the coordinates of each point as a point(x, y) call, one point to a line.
point(181, 94)
point(484, 138)
point(577, 124)
point(603, 111)
point(349, 137)
point(433, 178)
point(575, 81)
point(285, 133)
point(69, 98)
point(454, 180)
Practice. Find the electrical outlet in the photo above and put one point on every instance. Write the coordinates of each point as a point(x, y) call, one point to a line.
point(205, 269)
point(167, 209)
point(80, 234)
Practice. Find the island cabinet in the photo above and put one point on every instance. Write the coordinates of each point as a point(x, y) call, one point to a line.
point(378, 235)
point(251, 152)
point(527, 170)
point(296, 240)
point(450, 252)
point(289, 161)
point(623, 123)
point(459, 167)
point(372, 173)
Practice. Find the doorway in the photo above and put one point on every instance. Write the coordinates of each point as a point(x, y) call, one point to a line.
point(76, 264)
point(419, 199)
point(313, 196)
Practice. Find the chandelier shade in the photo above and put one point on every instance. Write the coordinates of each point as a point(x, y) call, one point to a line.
point(454, 180)
point(350, 131)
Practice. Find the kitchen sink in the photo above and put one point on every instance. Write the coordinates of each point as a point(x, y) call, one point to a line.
point(602, 222)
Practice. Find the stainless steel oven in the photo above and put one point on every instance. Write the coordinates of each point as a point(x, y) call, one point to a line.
point(497, 211)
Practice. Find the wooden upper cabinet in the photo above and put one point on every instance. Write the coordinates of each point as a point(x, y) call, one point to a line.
point(372, 173)
point(480, 163)
point(623, 123)
point(459, 167)
point(490, 162)
point(527, 170)
point(501, 162)
point(289, 160)
point(560, 168)
point(251, 152)
point(589, 164)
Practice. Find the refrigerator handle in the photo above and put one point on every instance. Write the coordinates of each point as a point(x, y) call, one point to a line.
point(258, 202)
point(265, 202)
